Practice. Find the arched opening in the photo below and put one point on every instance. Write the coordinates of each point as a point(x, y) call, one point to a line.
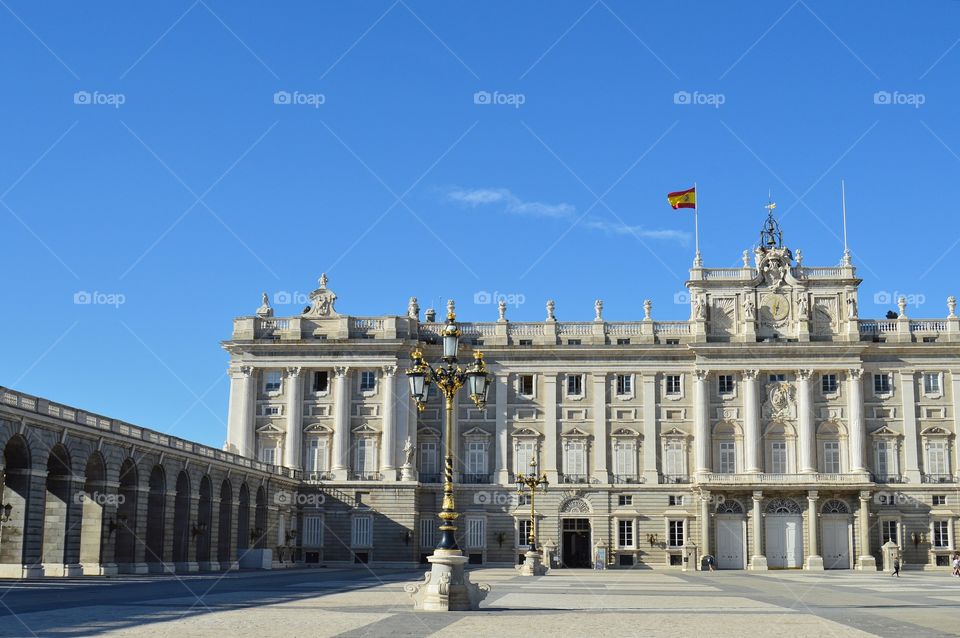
point(243, 520)
point(783, 538)
point(156, 506)
point(181, 522)
point(204, 520)
point(95, 498)
point(126, 541)
point(16, 493)
point(225, 525)
point(260, 522)
point(55, 548)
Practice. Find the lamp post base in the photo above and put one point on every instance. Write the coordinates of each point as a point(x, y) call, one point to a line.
point(532, 565)
point(447, 587)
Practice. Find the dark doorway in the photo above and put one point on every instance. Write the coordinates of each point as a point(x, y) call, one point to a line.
point(576, 542)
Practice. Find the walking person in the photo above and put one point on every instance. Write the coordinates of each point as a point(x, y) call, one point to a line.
point(956, 564)
point(896, 567)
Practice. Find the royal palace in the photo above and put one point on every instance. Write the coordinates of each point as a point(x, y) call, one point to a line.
point(775, 428)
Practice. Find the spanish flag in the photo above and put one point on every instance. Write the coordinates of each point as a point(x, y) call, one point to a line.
point(683, 199)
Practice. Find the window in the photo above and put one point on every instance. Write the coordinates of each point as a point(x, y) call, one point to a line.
point(476, 533)
point(476, 457)
point(268, 453)
point(831, 457)
point(777, 378)
point(675, 533)
point(939, 499)
point(271, 381)
point(625, 534)
point(525, 452)
point(526, 342)
point(672, 342)
point(574, 385)
point(525, 385)
point(625, 458)
point(778, 457)
point(321, 381)
point(523, 532)
point(625, 500)
point(728, 457)
point(675, 500)
point(888, 532)
point(316, 455)
point(931, 383)
point(623, 342)
point(313, 530)
point(673, 464)
point(884, 461)
point(624, 384)
point(271, 410)
point(362, 531)
point(575, 458)
point(937, 458)
point(428, 458)
point(673, 384)
point(941, 536)
point(428, 527)
point(366, 457)
point(725, 384)
point(368, 381)
point(881, 383)
point(574, 342)
point(828, 383)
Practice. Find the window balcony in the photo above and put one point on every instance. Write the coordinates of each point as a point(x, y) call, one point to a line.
point(780, 479)
point(574, 478)
point(474, 479)
point(317, 477)
point(938, 478)
point(365, 476)
point(627, 478)
point(676, 478)
point(886, 478)
point(430, 478)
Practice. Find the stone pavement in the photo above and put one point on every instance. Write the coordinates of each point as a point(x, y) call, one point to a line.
point(571, 602)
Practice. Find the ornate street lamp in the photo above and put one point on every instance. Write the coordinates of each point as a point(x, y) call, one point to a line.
point(458, 593)
point(532, 565)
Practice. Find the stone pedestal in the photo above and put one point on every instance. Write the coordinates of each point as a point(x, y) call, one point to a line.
point(407, 473)
point(867, 563)
point(447, 587)
point(532, 565)
point(758, 563)
point(814, 563)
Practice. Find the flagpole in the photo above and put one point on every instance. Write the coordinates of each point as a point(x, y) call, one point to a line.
point(843, 204)
point(697, 261)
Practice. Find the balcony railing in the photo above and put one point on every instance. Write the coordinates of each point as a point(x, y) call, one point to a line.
point(574, 478)
point(886, 478)
point(474, 479)
point(938, 478)
point(430, 478)
point(674, 478)
point(627, 478)
point(779, 479)
point(365, 476)
point(317, 477)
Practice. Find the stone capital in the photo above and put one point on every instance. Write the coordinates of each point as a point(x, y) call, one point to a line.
point(751, 375)
point(341, 371)
point(389, 370)
point(292, 371)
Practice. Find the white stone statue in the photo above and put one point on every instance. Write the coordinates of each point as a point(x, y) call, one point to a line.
point(799, 257)
point(413, 309)
point(746, 259)
point(952, 307)
point(902, 305)
point(598, 310)
point(647, 307)
point(851, 307)
point(749, 310)
point(802, 306)
point(264, 310)
point(550, 308)
point(700, 308)
point(502, 310)
point(408, 452)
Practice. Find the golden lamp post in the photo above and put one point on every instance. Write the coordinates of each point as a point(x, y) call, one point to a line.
point(532, 564)
point(447, 587)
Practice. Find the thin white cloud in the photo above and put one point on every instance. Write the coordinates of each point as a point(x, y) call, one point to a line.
point(511, 203)
point(616, 228)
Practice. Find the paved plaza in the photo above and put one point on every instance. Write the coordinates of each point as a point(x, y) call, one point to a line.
point(324, 602)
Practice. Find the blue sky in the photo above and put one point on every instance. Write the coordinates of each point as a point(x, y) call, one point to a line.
point(179, 158)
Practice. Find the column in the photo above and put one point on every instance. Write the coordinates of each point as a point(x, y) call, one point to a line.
point(600, 445)
point(701, 412)
point(751, 422)
point(651, 441)
point(911, 436)
point(955, 383)
point(808, 439)
point(388, 442)
point(858, 433)
point(240, 420)
point(865, 560)
point(814, 559)
point(758, 561)
point(341, 424)
point(549, 463)
point(501, 469)
point(294, 387)
point(704, 524)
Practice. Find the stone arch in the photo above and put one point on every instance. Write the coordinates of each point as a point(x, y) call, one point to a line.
point(16, 494)
point(727, 428)
point(93, 508)
point(243, 518)
point(204, 521)
point(57, 516)
point(225, 525)
point(181, 522)
point(832, 428)
point(835, 506)
point(783, 429)
point(260, 522)
point(156, 510)
point(575, 505)
point(730, 506)
point(127, 498)
point(782, 506)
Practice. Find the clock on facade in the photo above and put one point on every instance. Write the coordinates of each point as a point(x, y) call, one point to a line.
point(777, 305)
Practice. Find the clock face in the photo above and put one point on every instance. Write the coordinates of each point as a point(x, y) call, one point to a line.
point(777, 306)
